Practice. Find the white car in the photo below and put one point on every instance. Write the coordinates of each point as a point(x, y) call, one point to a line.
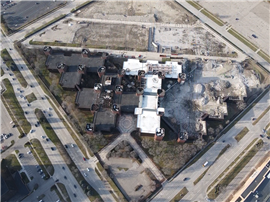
point(31, 131)
point(29, 152)
point(85, 174)
point(88, 169)
point(72, 145)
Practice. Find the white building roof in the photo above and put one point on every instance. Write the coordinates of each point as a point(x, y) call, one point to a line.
point(132, 66)
point(153, 83)
point(148, 121)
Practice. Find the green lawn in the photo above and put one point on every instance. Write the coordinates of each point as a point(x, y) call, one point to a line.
point(15, 107)
point(31, 97)
point(262, 115)
point(195, 5)
point(229, 176)
point(264, 56)
point(180, 195)
point(212, 17)
point(240, 135)
point(11, 65)
point(12, 163)
point(42, 155)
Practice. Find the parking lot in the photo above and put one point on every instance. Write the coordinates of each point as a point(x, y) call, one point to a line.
point(17, 14)
point(6, 128)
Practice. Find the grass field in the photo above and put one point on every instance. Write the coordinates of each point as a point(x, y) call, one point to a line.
point(31, 97)
point(240, 135)
point(12, 163)
point(262, 115)
point(264, 56)
point(11, 65)
point(14, 105)
point(180, 195)
point(230, 175)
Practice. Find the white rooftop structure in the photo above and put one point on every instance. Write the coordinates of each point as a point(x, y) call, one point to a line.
point(170, 69)
point(147, 119)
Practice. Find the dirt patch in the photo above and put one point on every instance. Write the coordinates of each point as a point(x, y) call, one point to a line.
point(114, 36)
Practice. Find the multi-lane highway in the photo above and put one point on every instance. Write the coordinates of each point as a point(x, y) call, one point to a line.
point(222, 30)
point(198, 192)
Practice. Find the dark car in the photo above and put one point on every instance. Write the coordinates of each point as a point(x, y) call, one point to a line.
point(254, 36)
point(28, 105)
point(84, 159)
point(52, 148)
point(21, 67)
point(261, 136)
point(63, 168)
point(75, 186)
point(47, 139)
point(36, 125)
point(66, 146)
point(185, 179)
point(236, 18)
point(65, 177)
point(31, 86)
point(75, 195)
point(42, 98)
point(268, 137)
point(13, 126)
point(57, 180)
point(26, 112)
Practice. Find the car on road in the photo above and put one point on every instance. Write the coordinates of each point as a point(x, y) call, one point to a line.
point(49, 115)
point(43, 98)
point(185, 179)
point(66, 146)
point(29, 152)
point(236, 18)
point(21, 67)
point(10, 74)
point(38, 170)
point(31, 131)
point(36, 125)
point(47, 139)
point(65, 177)
point(263, 130)
point(75, 186)
point(72, 145)
point(254, 36)
point(28, 104)
point(205, 164)
point(63, 168)
point(13, 79)
point(88, 169)
point(84, 159)
point(37, 166)
point(26, 112)
point(253, 119)
point(223, 140)
point(75, 195)
point(31, 86)
point(85, 174)
point(43, 176)
point(14, 126)
point(43, 137)
point(261, 136)
point(52, 148)
point(268, 137)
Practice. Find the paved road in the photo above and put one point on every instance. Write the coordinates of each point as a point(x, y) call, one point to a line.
point(65, 10)
point(222, 30)
point(58, 127)
point(54, 156)
point(198, 192)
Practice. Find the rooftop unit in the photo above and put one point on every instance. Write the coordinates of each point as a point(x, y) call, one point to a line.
point(160, 133)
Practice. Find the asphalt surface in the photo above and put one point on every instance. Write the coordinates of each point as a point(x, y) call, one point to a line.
point(61, 131)
point(25, 11)
point(222, 31)
point(198, 192)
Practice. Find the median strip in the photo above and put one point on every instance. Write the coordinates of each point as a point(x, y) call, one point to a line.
point(240, 135)
point(232, 170)
point(15, 106)
point(180, 195)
